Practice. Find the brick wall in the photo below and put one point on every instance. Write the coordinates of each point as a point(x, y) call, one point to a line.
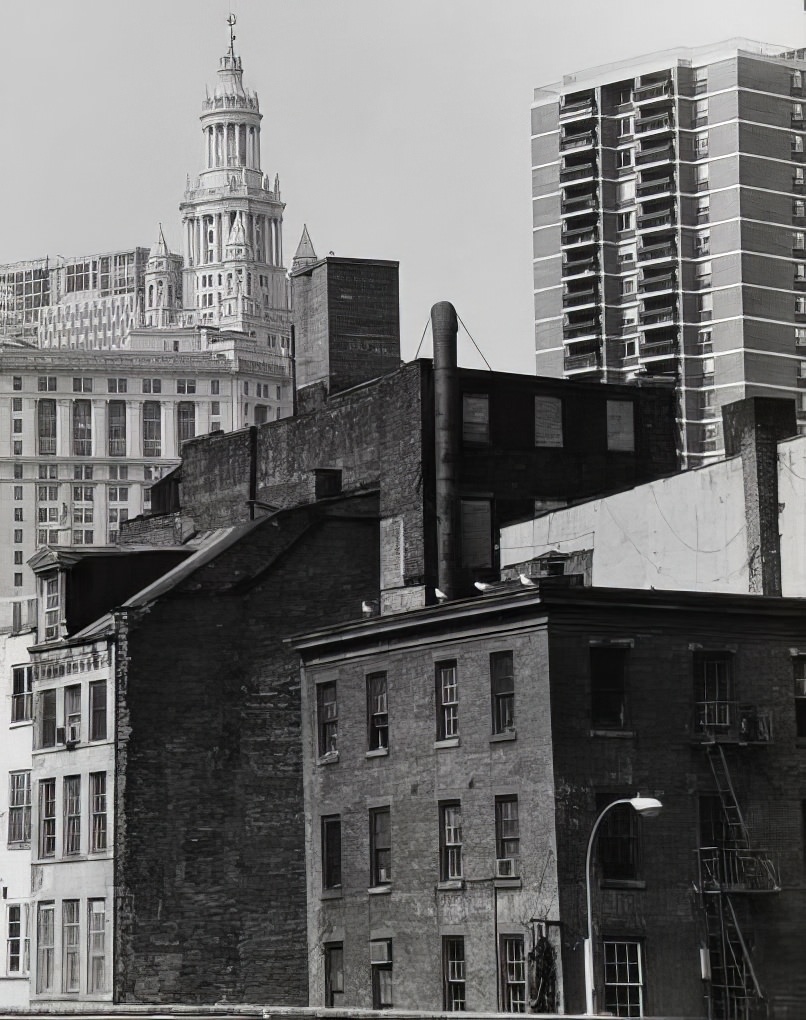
point(210, 867)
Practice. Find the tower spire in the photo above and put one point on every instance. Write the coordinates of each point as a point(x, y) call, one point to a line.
point(231, 21)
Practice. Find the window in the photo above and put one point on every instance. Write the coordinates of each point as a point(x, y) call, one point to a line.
point(502, 689)
point(800, 337)
point(618, 842)
point(453, 973)
point(46, 427)
point(548, 421)
point(97, 811)
point(246, 388)
point(152, 385)
point(21, 693)
point(186, 421)
point(16, 945)
point(476, 418)
point(185, 385)
point(377, 712)
point(700, 112)
point(70, 945)
point(47, 718)
point(72, 713)
point(702, 244)
point(45, 384)
point(608, 683)
point(215, 408)
point(623, 983)
point(620, 425)
point(624, 221)
point(116, 385)
point(82, 428)
point(380, 955)
point(705, 306)
point(83, 472)
point(98, 710)
point(47, 817)
point(713, 690)
point(628, 286)
point(795, 79)
point(72, 816)
point(450, 841)
point(152, 427)
point(82, 385)
point(215, 387)
point(625, 127)
point(19, 808)
point(799, 669)
point(513, 974)
point(334, 974)
point(797, 143)
point(702, 273)
point(18, 535)
point(476, 532)
point(331, 852)
point(799, 208)
point(45, 946)
point(327, 715)
point(625, 255)
point(623, 158)
point(625, 192)
point(507, 837)
point(18, 513)
point(447, 701)
point(701, 145)
point(118, 493)
point(798, 240)
point(16, 382)
point(116, 411)
point(96, 945)
point(380, 841)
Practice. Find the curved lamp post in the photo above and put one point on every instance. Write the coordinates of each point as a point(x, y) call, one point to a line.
point(647, 806)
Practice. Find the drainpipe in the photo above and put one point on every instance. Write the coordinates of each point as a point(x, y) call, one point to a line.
point(444, 330)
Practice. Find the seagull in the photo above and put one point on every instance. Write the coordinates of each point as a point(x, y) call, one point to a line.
point(369, 608)
point(482, 586)
point(527, 582)
point(441, 596)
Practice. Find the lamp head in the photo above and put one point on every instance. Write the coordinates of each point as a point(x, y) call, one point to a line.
point(648, 806)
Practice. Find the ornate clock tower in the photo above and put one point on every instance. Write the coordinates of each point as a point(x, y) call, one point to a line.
point(232, 219)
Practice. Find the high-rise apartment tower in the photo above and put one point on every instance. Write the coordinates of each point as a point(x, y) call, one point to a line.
point(669, 220)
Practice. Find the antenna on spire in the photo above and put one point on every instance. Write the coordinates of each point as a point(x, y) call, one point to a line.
point(231, 20)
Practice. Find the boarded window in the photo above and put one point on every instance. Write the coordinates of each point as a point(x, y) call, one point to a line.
point(476, 418)
point(476, 533)
point(620, 425)
point(548, 421)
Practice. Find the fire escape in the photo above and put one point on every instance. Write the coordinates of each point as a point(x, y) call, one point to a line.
point(732, 868)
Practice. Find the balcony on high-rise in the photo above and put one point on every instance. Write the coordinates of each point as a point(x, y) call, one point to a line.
point(579, 324)
point(579, 262)
point(580, 294)
point(572, 138)
point(656, 215)
point(657, 251)
point(653, 91)
point(655, 183)
point(579, 199)
point(582, 357)
point(587, 234)
point(577, 106)
point(653, 152)
point(657, 281)
point(654, 123)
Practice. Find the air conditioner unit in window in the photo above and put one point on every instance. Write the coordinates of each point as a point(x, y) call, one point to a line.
point(506, 867)
point(73, 733)
point(383, 875)
point(380, 952)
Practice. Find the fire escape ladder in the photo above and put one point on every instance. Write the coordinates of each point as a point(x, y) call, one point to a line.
point(747, 960)
point(740, 835)
point(735, 992)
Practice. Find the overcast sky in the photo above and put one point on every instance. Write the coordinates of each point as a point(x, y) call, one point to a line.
point(399, 128)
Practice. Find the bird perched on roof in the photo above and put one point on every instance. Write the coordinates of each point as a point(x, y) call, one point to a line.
point(441, 596)
point(370, 608)
point(482, 585)
point(527, 582)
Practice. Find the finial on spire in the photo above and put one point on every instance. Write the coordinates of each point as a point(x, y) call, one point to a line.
point(231, 21)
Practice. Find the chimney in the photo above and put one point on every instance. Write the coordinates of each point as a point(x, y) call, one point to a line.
point(753, 428)
point(446, 445)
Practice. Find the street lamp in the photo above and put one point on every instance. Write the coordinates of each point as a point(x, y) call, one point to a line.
point(647, 806)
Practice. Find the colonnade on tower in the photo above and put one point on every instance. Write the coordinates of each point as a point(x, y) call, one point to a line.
point(232, 218)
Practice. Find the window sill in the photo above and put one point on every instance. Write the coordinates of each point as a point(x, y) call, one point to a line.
point(378, 752)
point(380, 890)
point(451, 885)
point(622, 883)
point(614, 734)
point(497, 738)
point(507, 883)
point(448, 742)
point(328, 759)
point(331, 894)
point(19, 723)
point(19, 846)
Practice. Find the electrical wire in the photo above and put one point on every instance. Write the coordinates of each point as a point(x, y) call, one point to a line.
point(464, 327)
point(425, 329)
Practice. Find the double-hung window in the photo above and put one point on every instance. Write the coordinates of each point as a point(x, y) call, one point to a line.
point(327, 718)
point(96, 945)
point(98, 710)
point(19, 808)
point(623, 980)
point(380, 842)
point(21, 693)
point(513, 974)
point(453, 973)
point(507, 837)
point(334, 974)
point(45, 946)
point(71, 942)
point(331, 852)
point(608, 671)
point(450, 841)
point(72, 816)
point(377, 712)
point(381, 962)
point(618, 843)
point(47, 817)
point(447, 694)
point(502, 690)
point(98, 825)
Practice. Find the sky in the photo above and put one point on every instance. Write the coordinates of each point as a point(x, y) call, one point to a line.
point(399, 128)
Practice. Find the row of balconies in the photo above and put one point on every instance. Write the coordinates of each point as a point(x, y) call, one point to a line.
point(577, 140)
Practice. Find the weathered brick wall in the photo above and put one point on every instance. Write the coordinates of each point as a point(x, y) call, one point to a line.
point(656, 755)
point(412, 779)
point(215, 478)
point(210, 860)
point(159, 529)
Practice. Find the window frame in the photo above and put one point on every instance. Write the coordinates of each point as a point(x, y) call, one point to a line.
point(19, 809)
point(327, 719)
point(447, 699)
point(613, 968)
point(45, 945)
point(454, 974)
point(21, 693)
point(502, 691)
point(606, 689)
point(96, 936)
point(99, 820)
point(618, 844)
point(380, 846)
point(331, 852)
point(71, 815)
point(333, 987)
point(476, 419)
point(71, 946)
point(507, 835)
point(98, 716)
point(377, 685)
point(451, 865)
point(381, 983)
point(513, 974)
